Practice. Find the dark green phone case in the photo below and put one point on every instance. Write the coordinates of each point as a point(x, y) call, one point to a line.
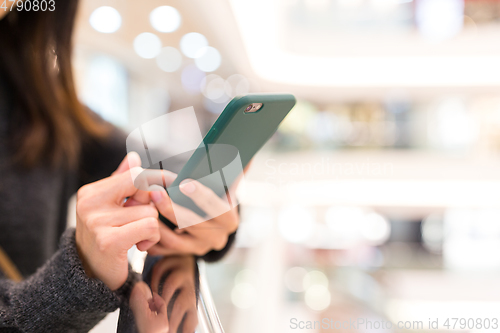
point(233, 132)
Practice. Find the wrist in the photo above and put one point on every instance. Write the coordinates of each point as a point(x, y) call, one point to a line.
point(82, 257)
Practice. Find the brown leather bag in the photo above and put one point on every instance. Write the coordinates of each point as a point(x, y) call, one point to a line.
point(8, 268)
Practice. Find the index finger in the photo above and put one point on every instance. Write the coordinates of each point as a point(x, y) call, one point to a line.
point(205, 198)
point(115, 188)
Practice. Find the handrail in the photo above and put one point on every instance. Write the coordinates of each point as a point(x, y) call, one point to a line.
point(208, 318)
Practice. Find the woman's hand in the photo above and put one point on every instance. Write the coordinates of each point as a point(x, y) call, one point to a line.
point(150, 310)
point(107, 228)
point(205, 235)
point(174, 279)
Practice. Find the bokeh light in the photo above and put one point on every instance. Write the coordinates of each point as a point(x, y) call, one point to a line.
point(317, 297)
point(208, 59)
point(213, 87)
point(315, 278)
point(433, 233)
point(169, 59)
point(344, 221)
point(147, 45)
point(354, 225)
point(245, 276)
point(191, 78)
point(236, 85)
point(453, 127)
point(105, 19)
point(192, 43)
point(259, 222)
point(375, 228)
point(294, 279)
point(215, 107)
point(165, 19)
point(296, 224)
point(244, 295)
point(438, 20)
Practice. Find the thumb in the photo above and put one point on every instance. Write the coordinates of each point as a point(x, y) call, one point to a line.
point(130, 161)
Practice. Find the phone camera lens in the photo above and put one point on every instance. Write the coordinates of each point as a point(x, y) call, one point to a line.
point(249, 107)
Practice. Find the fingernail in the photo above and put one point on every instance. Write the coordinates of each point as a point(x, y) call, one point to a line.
point(134, 159)
point(187, 186)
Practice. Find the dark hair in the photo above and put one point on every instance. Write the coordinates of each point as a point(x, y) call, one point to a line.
point(48, 122)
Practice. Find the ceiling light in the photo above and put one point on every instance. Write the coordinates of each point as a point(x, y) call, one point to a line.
point(105, 19)
point(317, 297)
point(192, 43)
point(165, 19)
point(294, 278)
point(169, 59)
point(237, 84)
point(213, 87)
point(147, 45)
point(192, 78)
point(272, 63)
point(438, 20)
point(208, 60)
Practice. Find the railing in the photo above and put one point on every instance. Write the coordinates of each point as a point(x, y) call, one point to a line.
point(208, 320)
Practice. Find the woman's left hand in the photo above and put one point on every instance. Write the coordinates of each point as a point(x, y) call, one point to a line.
point(205, 235)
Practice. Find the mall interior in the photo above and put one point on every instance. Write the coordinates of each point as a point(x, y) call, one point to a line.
point(376, 201)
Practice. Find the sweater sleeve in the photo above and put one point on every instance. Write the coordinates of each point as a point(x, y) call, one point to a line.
point(59, 297)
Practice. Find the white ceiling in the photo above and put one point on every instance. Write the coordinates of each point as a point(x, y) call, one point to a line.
point(329, 68)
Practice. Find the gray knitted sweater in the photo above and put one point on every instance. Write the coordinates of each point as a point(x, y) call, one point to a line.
point(59, 297)
point(56, 295)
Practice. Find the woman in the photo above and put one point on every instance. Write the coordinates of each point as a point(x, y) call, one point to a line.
point(50, 146)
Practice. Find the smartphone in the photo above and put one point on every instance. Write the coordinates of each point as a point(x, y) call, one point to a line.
point(244, 126)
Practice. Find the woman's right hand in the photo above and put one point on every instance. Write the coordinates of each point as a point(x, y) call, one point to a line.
point(107, 227)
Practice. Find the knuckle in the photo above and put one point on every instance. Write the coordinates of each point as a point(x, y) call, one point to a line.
point(234, 225)
point(202, 250)
point(82, 192)
point(82, 204)
point(220, 243)
point(92, 222)
point(151, 229)
point(152, 223)
point(151, 211)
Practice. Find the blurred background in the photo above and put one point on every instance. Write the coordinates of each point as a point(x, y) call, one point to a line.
point(378, 197)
